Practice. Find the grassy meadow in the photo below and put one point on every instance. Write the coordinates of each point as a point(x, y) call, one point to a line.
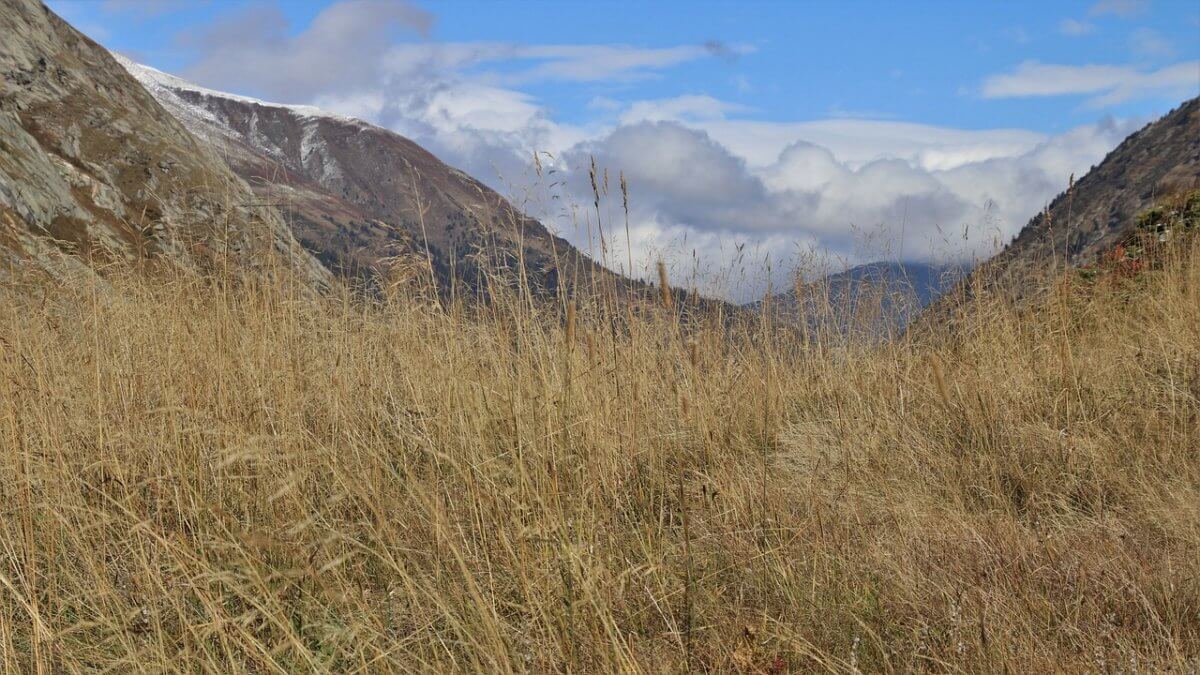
point(217, 473)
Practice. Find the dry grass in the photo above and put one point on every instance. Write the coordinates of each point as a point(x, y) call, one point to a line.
point(230, 476)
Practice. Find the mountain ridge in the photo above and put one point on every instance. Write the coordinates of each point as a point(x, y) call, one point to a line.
point(93, 165)
point(874, 298)
point(360, 196)
point(1098, 210)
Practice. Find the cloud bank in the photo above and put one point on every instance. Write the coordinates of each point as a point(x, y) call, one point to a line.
point(1110, 84)
point(707, 180)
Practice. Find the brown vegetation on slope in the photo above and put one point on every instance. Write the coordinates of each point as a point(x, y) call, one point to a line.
point(358, 195)
point(1098, 210)
point(229, 475)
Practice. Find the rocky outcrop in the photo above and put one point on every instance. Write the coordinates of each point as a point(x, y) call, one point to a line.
point(92, 165)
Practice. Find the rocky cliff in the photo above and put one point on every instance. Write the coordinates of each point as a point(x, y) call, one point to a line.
point(91, 164)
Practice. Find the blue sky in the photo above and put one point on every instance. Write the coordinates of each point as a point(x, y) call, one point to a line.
point(814, 120)
point(922, 62)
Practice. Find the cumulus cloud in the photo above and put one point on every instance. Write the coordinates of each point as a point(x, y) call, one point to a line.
point(857, 142)
point(684, 181)
point(1108, 84)
point(253, 49)
point(684, 177)
point(353, 43)
point(707, 181)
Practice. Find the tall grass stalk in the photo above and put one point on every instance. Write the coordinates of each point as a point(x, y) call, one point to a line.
point(222, 473)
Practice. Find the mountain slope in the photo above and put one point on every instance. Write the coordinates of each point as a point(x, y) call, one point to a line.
point(357, 195)
point(873, 297)
point(91, 164)
point(1099, 210)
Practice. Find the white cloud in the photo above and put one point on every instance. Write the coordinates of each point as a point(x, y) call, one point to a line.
point(1037, 79)
point(603, 103)
point(351, 43)
point(1075, 27)
point(593, 63)
point(684, 180)
point(690, 108)
point(857, 142)
point(1108, 84)
point(706, 181)
point(254, 50)
point(704, 177)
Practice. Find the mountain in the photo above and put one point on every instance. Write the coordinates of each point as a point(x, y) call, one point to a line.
point(1100, 209)
point(357, 195)
point(91, 164)
point(874, 297)
point(920, 283)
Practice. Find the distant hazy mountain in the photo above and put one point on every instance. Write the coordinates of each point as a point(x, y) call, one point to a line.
point(874, 297)
point(357, 195)
point(92, 164)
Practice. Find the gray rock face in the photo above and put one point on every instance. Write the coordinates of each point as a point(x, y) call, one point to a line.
point(91, 164)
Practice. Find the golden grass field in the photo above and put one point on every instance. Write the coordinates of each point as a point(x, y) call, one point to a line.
point(223, 474)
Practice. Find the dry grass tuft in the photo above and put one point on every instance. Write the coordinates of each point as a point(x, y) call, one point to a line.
point(664, 284)
point(227, 475)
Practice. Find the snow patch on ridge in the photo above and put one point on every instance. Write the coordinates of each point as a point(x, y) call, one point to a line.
point(206, 119)
point(157, 80)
